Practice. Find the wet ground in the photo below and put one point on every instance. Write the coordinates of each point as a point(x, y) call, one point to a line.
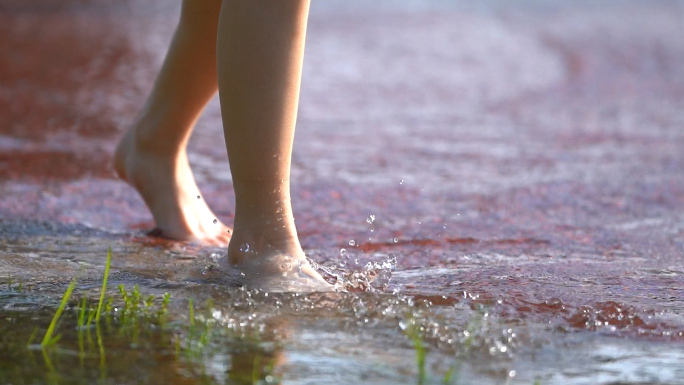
point(524, 165)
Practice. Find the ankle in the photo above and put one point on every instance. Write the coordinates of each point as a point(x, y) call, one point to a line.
point(262, 238)
point(152, 135)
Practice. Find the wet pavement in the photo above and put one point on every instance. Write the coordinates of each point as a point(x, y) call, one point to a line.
point(524, 164)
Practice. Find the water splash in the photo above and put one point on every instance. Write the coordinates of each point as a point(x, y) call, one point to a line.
point(373, 277)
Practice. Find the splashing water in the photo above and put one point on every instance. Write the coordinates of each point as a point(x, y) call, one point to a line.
point(373, 277)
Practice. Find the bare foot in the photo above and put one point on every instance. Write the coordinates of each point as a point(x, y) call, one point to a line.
point(275, 265)
point(164, 180)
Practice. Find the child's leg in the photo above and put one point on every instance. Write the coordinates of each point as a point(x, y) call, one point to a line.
point(260, 49)
point(152, 155)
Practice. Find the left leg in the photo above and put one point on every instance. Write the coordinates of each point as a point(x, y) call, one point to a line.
point(152, 154)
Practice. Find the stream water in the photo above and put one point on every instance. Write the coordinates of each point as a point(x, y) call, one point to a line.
point(499, 184)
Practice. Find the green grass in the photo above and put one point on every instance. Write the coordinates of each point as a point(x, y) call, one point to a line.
point(104, 285)
point(81, 314)
point(420, 358)
point(16, 286)
point(134, 308)
point(136, 314)
point(33, 336)
point(414, 332)
point(449, 376)
point(48, 339)
point(192, 313)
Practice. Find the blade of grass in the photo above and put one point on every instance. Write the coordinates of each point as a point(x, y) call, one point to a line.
point(104, 285)
point(451, 375)
point(415, 334)
point(54, 340)
point(161, 313)
point(48, 362)
point(33, 336)
point(100, 345)
point(420, 358)
point(81, 314)
point(192, 314)
point(51, 329)
point(91, 315)
point(256, 369)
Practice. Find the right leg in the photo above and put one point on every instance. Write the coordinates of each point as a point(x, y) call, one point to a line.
point(152, 154)
point(260, 50)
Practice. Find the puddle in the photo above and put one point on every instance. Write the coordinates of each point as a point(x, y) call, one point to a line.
point(366, 335)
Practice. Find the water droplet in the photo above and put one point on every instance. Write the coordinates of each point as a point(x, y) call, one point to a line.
point(401, 181)
point(370, 219)
point(352, 243)
point(199, 197)
point(395, 240)
point(215, 221)
point(512, 373)
point(280, 219)
point(244, 247)
point(343, 251)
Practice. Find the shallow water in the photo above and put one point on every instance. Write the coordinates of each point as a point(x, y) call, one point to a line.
point(523, 169)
